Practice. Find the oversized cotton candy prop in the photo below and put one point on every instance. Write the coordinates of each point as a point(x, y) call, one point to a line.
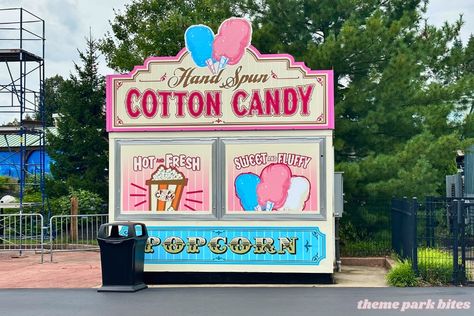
point(199, 39)
point(298, 194)
point(231, 41)
point(246, 190)
point(272, 190)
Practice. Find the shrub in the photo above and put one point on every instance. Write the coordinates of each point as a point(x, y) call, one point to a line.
point(8, 186)
point(435, 266)
point(402, 275)
point(88, 202)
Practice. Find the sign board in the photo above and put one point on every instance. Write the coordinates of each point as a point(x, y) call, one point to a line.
point(282, 176)
point(261, 92)
point(236, 245)
point(166, 177)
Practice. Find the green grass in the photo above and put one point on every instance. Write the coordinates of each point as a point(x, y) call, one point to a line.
point(435, 266)
point(402, 275)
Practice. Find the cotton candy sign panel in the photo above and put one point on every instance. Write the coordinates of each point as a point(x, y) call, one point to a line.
point(283, 177)
point(219, 81)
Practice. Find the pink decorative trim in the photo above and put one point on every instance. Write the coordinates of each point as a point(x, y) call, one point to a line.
point(330, 73)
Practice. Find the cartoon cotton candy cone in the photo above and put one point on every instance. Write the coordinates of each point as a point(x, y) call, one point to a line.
point(275, 180)
point(231, 41)
point(298, 194)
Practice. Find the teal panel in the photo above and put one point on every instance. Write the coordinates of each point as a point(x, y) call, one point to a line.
point(235, 245)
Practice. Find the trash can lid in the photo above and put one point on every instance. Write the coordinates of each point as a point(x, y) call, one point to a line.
point(122, 230)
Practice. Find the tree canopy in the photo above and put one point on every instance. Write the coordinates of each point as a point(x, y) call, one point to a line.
point(404, 87)
point(156, 28)
point(80, 146)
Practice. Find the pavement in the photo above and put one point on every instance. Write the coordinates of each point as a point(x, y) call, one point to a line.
point(67, 285)
point(238, 301)
point(83, 270)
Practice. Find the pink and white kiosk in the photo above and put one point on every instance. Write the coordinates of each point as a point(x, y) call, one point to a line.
point(226, 155)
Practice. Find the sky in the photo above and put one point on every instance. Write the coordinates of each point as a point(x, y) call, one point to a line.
point(67, 22)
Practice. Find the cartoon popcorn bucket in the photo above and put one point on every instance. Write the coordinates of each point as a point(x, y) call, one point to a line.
point(165, 189)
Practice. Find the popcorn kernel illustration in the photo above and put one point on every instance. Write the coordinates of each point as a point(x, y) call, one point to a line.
point(165, 189)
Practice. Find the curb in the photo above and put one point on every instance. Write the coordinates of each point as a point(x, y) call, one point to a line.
point(383, 262)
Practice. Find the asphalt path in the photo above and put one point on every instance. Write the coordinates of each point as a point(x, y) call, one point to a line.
point(241, 301)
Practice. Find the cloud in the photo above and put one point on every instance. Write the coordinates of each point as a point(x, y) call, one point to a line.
point(439, 12)
point(68, 22)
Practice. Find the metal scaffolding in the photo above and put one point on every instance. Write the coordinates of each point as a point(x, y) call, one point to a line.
point(22, 110)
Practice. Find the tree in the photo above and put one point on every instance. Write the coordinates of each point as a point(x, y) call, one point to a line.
point(53, 87)
point(156, 28)
point(404, 88)
point(80, 148)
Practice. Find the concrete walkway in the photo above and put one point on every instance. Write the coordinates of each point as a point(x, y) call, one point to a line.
point(68, 270)
point(82, 270)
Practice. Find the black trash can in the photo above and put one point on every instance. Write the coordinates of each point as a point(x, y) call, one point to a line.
point(122, 255)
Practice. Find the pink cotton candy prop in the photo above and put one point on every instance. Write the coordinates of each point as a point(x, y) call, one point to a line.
point(272, 191)
point(231, 41)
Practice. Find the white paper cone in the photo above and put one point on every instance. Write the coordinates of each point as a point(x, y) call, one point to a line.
point(210, 65)
point(222, 63)
point(269, 206)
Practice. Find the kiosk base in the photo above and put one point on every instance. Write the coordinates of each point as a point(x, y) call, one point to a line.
point(237, 278)
point(122, 288)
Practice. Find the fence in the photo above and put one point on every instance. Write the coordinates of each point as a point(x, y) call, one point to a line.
point(365, 228)
point(437, 236)
point(404, 227)
point(74, 232)
point(22, 232)
point(26, 232)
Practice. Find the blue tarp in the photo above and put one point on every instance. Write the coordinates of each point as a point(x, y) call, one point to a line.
point(33, 163)
point(10, 163)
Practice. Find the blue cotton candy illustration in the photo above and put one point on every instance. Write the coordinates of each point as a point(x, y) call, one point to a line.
point(199, 40)
point(246, 190)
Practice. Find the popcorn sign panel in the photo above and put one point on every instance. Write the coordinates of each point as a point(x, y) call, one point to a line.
point(166, 178)
point(236, 245)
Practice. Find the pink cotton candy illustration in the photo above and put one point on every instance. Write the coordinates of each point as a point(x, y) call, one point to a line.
point(272, 190)
point(231, 41)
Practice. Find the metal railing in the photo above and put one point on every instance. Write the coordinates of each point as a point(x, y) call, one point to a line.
point(74, 232)
point(22, 232)
point(437, 236)
point(404, 228)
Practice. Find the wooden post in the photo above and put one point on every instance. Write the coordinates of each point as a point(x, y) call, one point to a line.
point(74, 213)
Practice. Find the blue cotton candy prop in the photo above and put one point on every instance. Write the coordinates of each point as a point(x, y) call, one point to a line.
point(199, 40)
point(246, 190)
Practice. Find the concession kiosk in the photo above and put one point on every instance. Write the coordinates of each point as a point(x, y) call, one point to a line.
point(226, 155)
